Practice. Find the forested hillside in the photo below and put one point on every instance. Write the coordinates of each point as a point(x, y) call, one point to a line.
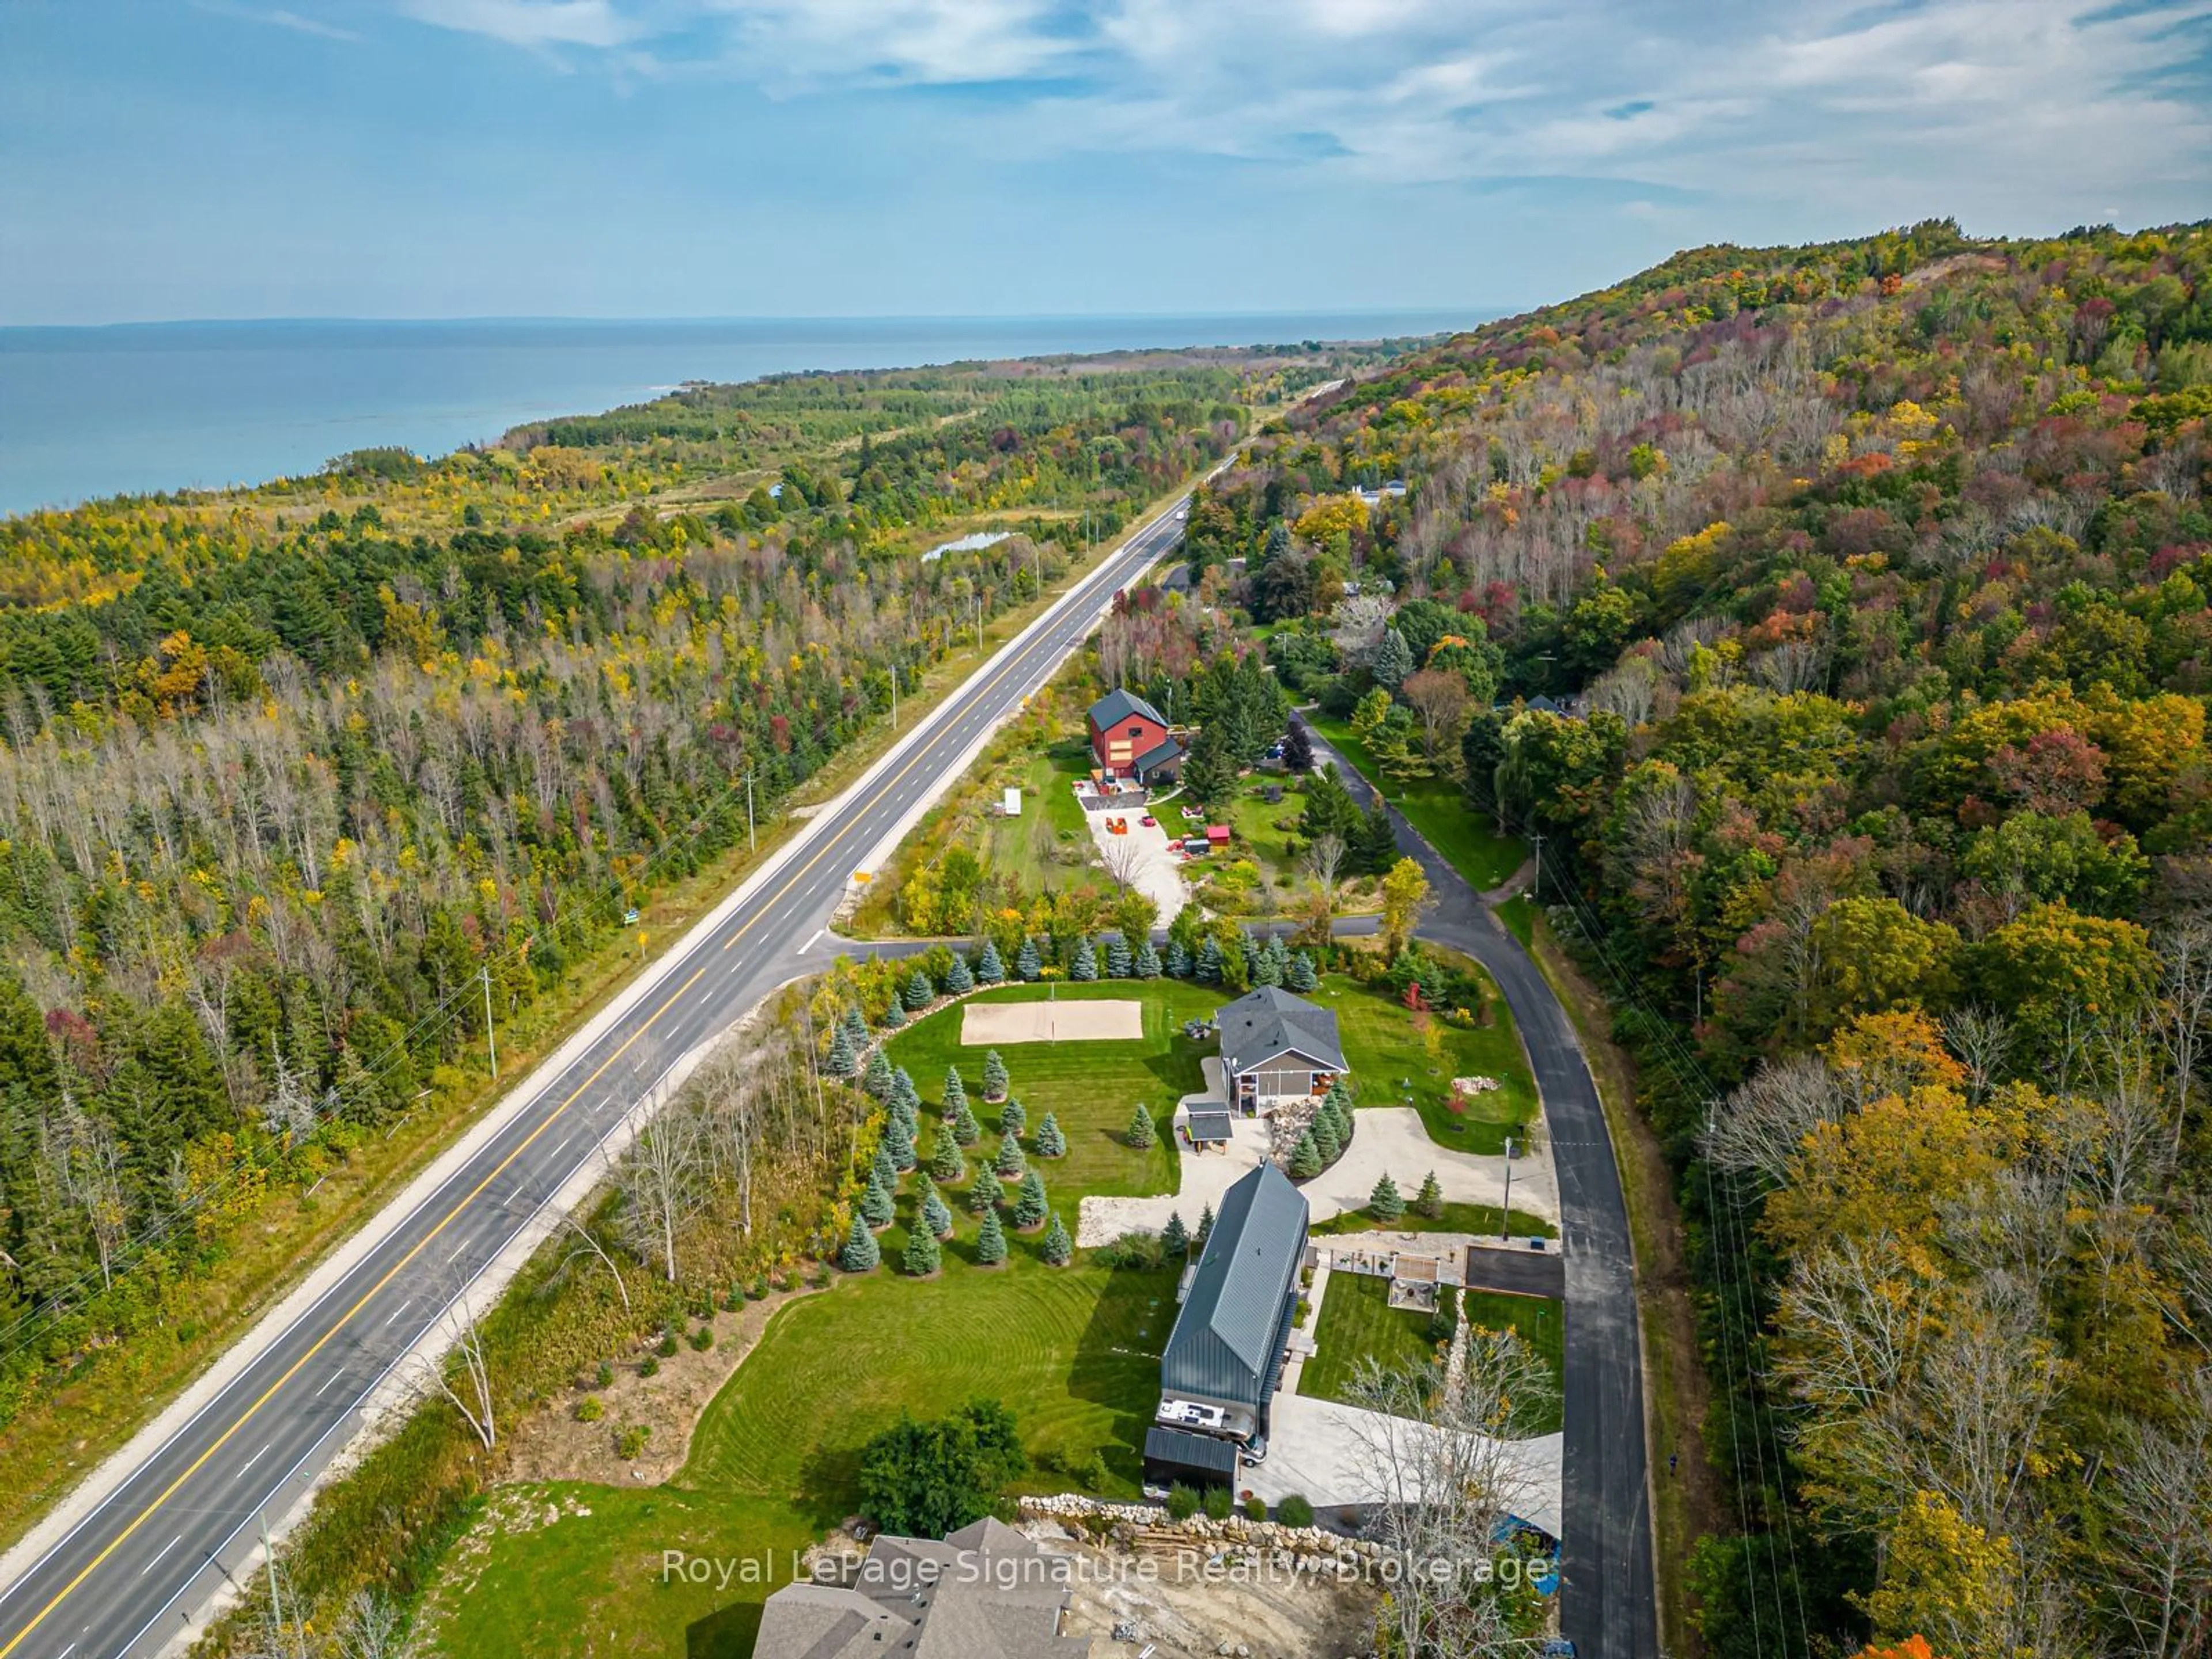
point(292, 776)
point(1872, 578)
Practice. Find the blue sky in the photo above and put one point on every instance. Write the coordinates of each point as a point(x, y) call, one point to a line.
point(620, 158)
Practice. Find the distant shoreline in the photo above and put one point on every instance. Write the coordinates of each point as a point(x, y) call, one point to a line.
point(96, 411)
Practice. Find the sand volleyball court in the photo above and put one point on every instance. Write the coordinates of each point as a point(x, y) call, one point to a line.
point(986, 1024)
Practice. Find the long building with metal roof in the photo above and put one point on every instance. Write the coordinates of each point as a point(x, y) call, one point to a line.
point(1225, 1356)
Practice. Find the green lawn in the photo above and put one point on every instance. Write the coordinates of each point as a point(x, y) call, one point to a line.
point(1519, 915)
point(1437, 808)
point(1540, 1321)
point(596, 1585)
point(1091, 1086)
point(1357, 1324)
point(1036, 846)
point(1473, 1219)
point(1395, 1065)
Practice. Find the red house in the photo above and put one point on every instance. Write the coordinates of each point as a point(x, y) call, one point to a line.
point(1129, 740)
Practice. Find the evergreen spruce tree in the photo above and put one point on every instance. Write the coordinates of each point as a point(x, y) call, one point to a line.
point(1059, 1249)
point(1051, 1142)
point(856, 1028)
point(1148, 961)
point(903, 1092)
point(1013, 1118)
point(1323, 1134)
point(991, 1241)
point(876, 1202)
point(965, 1129)
point(1177, 965)
point(1305, 1157)
point(894, 1015)
point(1029, 964)
point(919, 993)
point(983, 1194)
point(898, 1141)
point(1030, 1204)
point(886, 1169)
point(860, 1253)
point(1264, 971)
point(936, 1218)
point(1376, 848)
point(841, 1062)
point(1010, 1164)
point(994, 1076)
point(1085, 966)
point(1174, 1238)
point(1207, 969)
point(1120, 964)
point(1393, 660)
point(1278, 954)
point(959, 978)
point(945, 1164)
point(922, 1257)
point(1297, 749)
point(956, 1090)
point(1141, 1133)
point(1300, 976)
point(990, 967)
point(1430, 1200)
point(1384, 1203)
point(879, 1079)
point(1204, 1229)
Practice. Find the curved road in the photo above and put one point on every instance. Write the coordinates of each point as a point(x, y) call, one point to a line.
point(1608, 1600)
point(148, 1555)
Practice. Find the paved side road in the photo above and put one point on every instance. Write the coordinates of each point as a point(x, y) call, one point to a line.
point(168, 1530)
point(1609, 1603)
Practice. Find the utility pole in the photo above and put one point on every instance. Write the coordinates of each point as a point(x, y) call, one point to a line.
point(491, 1040)
point(1505, 1221)
point(1536, 885)
point(276, 1594)
point(752, 844)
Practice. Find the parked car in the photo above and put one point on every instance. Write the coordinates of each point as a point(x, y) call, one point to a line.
point(1149, 821)
point(1558, 1648)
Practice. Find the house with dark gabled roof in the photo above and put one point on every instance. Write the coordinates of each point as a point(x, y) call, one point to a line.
point(986, 1592)
point(1225, 1356)
point(1130, 739)
point(1276, 1046)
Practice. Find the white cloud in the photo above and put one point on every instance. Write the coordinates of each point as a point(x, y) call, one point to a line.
point(278, 18)
point(1995, 107)
point(538, 23)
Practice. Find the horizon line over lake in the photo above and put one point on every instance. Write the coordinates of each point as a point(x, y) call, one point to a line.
point(110, 409)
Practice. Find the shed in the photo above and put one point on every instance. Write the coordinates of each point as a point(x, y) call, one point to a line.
point(1176, 1455)
point(1209, 1124)
point(1217, 835)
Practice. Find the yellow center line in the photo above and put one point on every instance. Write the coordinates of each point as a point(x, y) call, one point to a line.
point(477, 1191)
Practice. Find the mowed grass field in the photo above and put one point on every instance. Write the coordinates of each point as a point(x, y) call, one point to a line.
point(1036, 846)
point(1357, 1324)
point(1474, 1219)
point(1093, 1087)
point(774, 1460)
point(1438, 809)
point(1393, 1063)
point(1541, 1322)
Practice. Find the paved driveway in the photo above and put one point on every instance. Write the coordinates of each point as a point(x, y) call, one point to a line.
point(1392, 1140)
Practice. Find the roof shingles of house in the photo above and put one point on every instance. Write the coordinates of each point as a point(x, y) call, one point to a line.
point(1271, 1021)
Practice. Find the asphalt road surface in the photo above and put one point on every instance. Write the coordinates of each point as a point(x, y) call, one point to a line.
point(138, 1568)
point(1608, 1604)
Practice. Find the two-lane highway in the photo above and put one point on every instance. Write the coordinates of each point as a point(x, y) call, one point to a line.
point(168, 1530)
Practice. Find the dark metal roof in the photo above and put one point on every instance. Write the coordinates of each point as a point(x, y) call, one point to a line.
point(1209, 1123)
point(1227, 1332)
point(1270, 1021)
point(1190, 1451)
point(1120, 704)
point(1168, 748)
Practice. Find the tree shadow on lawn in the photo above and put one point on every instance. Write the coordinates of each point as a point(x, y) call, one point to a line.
point(1116, 1361)
point(730, 1634)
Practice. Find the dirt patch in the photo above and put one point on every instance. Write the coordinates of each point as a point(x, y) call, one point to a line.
point(1111, 1020)
point(552, 1444)
point(1182, 1616)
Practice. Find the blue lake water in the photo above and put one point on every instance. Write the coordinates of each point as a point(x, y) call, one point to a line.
point(86, 412)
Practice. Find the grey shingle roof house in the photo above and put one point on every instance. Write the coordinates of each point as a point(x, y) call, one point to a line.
point(1225, 1353)
point(1275, 1046)
point(1122, 704)
point(985, 1593)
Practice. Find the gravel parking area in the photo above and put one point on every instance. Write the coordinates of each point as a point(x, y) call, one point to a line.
point(1154, 870)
